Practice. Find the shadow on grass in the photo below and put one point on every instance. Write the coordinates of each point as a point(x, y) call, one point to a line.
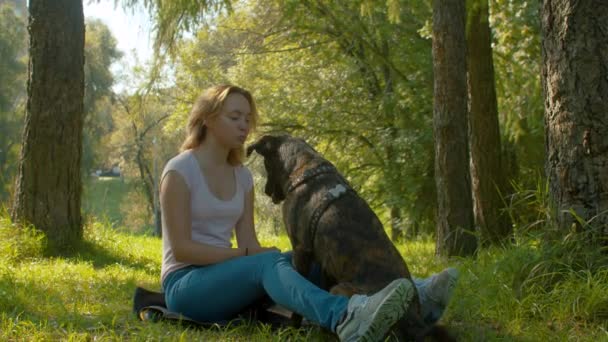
point(101, 257)
point(480, 331)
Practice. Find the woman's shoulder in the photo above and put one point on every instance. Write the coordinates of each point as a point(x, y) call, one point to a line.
point(180, 163)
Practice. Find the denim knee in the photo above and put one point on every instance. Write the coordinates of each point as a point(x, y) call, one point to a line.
point(272, 256)
point(288, 255)
point(314, 275)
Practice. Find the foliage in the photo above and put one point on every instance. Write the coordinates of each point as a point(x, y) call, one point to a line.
point(173, 18)
point(13, 40)
point(355, 80)
point(19, 244)
point(12, 47)
point(100, 53)
point(139, 143)
point(312, 81)
point(136, 213)
point(393, 84)
point(104, 199)
point(516, 48)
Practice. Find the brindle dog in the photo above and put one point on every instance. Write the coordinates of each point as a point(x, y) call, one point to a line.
point(328, 223)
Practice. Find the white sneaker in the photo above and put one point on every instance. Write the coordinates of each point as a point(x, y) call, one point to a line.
point(369, 318)
point(435, 294)
point(442, 286)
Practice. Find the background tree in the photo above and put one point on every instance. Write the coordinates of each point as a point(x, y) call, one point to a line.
point(139, 145)
point(49, 183)
point(575, 86)
point(13, 42)
point(517, 61)
point(455, 207)
point(488, 176)
point(100, 53)
point(372, 45)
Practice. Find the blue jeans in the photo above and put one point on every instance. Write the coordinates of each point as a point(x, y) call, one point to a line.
point(220, 291)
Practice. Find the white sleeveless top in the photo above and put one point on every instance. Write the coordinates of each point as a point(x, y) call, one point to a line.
point(213, 219)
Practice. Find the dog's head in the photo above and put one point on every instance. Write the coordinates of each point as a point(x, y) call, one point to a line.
point(283, 155)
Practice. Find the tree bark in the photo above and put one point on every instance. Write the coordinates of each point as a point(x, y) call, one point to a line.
point(455, 207)
point(391, 171)
point(396, 225)
point(575, 86)
point(487, 171)
point(49, 185)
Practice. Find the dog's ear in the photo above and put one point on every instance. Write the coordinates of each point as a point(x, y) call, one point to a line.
point(262, 146)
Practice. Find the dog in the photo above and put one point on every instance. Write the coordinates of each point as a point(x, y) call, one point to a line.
point(329, 224)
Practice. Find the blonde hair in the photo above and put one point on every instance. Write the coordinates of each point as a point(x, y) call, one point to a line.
point(206, 107)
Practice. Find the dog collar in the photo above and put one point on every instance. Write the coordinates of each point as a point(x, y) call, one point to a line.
point(311, 173)
point(339, 189)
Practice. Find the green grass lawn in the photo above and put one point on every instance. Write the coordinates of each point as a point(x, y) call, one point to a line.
point(87, 296)
point(103, 197)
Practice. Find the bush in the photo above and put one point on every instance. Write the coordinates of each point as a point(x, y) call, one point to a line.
point(135, 211)
point(19, 243)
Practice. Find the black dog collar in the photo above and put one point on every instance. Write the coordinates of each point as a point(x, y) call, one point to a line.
point(311, 173)
point(340, 189)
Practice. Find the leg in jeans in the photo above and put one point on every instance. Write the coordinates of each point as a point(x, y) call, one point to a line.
point(220, 291)
point(432, 308)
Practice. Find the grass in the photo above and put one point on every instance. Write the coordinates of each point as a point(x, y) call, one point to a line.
point(88, 296)
point(530, 290)
point(103, 197)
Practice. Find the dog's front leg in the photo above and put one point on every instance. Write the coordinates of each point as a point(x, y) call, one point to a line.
point(302, 261)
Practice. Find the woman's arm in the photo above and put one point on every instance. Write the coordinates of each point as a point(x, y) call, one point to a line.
point(245, 228)
point(175, 203)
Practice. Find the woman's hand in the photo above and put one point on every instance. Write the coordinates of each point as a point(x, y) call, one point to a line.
point(259, 249)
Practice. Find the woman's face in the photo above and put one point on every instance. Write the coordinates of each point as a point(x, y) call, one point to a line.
point(231, 126)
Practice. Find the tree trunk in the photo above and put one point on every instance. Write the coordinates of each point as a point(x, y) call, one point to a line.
point(487, 172)
point(145, 175)
point(455, 207)
point(391, 171)
point(49, 184)
point(575, 86)
point(396, 226)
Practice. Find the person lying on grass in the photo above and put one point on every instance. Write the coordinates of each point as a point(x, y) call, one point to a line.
point(207, 192)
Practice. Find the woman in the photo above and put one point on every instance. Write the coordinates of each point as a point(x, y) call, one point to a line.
point(206, 192)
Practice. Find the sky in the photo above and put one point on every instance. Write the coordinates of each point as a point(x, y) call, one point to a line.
point(132, 30)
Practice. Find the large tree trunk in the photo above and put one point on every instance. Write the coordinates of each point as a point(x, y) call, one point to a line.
point(455, 207)
point(575, 85)
point(49, 185)
point(487, 171)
